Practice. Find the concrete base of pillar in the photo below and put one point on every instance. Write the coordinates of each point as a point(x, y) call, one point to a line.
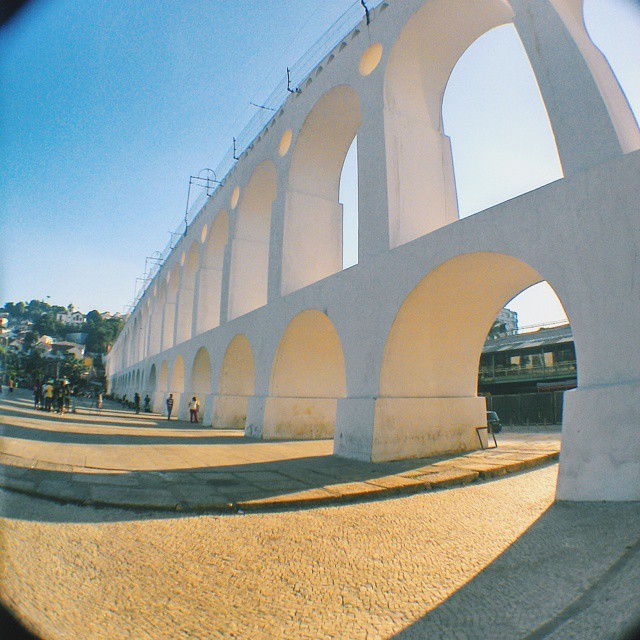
point(206, 409)
point(299, 418)
point(230, 412)
point(600, 456)
point(424, 427)
point(354, 428)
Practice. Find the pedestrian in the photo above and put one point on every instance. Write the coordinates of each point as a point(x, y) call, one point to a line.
point(147, 404)
point(37, 394)
point(169, 406)
point(58, 397)
point(66, 395)
point(10, 385)
point(136, 402)
point(48, 396)
point(99, 401)
point(194, 406)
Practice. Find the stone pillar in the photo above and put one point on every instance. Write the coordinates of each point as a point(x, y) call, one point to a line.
point(584, 131)
point(313, 237)
point(206, 311)
point(168, 326)
point(226, 269)
point(274, 285)
point(373, 200)
point(248, 276)
point(184, 314)
point(206, 409)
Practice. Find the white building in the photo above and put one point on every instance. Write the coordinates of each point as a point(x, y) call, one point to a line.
point(70, 316)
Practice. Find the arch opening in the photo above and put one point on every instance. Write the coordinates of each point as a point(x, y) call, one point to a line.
point(429, 403)
point(349, 200)
point(526, 366)
point(608, 36)
point(200, 381)
point(493, 113)
point(237, 383)
point(250, 247)
point(210, 287)
point(313, 227)
point(307, 378)
point(152, 381)
point(421, 185)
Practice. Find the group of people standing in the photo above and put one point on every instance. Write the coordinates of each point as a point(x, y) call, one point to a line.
point(136, 403)
point(53, 395)
point(194, 408)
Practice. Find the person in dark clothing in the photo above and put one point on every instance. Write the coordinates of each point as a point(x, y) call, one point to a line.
point(37, 395)
point(169, 406)
point(136, 402)
point(147, 404)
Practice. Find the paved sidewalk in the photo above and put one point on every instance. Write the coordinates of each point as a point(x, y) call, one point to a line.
point(120, 459)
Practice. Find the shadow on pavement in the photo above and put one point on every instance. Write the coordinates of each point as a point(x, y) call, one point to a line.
point(71, 437)
point(574, 574)
point(207, 485)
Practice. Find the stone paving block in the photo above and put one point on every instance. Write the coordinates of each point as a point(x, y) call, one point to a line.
point(114, 479)
point(133, 497)
point(288, 500)
point(485, 469)
point(448, 477)
point(353, 490)
point(397, 483)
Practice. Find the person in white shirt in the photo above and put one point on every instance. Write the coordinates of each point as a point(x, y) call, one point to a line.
point(194, 407)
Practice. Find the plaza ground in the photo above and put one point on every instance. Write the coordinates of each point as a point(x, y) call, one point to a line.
point(485, 558)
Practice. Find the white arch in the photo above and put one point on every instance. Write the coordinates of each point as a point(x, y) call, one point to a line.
point(421, 186)
point(312, 244)
point(307, 378)
point(237, 383)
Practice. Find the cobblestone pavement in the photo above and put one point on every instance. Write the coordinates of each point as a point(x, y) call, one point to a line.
point(498, 557)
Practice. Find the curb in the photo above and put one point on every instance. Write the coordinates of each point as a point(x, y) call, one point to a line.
point(442, 475)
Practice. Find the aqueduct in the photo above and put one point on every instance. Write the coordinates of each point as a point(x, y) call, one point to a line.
point(253, 312)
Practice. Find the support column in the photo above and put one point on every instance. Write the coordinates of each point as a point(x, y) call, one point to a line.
point(184, 314)
point(168, 325)
point(226, 270)
point(274, 284)
point(584, 131)
point(206, 310)
point(312, 248)
point(373, 199)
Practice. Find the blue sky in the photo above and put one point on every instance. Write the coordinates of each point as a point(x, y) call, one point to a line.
point(109, 107)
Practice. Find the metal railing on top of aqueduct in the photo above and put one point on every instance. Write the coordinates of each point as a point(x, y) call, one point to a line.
point(297, 74)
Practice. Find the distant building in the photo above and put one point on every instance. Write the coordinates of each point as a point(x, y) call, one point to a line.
point(65, 348)
point(70, 316)
point(107, 315)
point(506, 324)
point(529, 362)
